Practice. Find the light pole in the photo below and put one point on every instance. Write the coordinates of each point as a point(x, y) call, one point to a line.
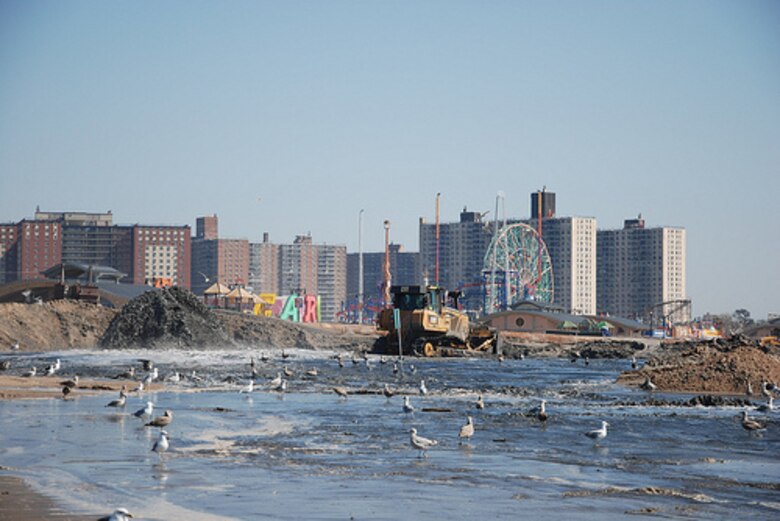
point(360, 267)
point(387, 265)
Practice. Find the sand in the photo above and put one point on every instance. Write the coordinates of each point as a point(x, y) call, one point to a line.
point(19, 502)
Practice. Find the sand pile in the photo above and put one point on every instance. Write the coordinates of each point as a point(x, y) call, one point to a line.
point(169, 317)
point(709, 368)
point(52, 325)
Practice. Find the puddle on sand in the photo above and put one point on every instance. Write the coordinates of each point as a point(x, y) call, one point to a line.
point(309, 453)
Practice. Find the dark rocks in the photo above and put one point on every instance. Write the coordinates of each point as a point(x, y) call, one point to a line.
point(168, 317)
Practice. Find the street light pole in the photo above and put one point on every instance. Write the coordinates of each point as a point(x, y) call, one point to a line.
point(387, 265)
point(360, 267)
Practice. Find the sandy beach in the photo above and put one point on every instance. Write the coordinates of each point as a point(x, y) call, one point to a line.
point(19, 502)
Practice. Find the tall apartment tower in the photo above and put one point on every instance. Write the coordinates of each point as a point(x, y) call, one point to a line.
point(161, 252)
point(207, 227)
point(461, 252)
point(298, 267)
point(331, 280)
point(640, 269)
point(8, 258)
point(217, 260)
point(264, 266)
point(404, 270)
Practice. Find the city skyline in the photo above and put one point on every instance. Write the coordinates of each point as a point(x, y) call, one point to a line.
point(292, 117)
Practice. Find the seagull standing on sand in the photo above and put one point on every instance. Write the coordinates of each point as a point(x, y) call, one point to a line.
point(408, 407)
point(15, 346)
point(146, 413)
point(420, 443)
point(31, 372)
point(467, 430)
point(648, 385)
point(162, 421)
point(161, 445)
point(598, 434)
point(750, 424)
point(150, 377)
point(120, 514)
point(73, 382)
point(423, 389)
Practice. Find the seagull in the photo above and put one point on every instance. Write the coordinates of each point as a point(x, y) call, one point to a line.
point(387, 392)
point(420, 443)
point(341, 361)
point(368, 364)
point(50, 370)
point(285, 355)
point(383, 360)
point(423, 389)
point(253, 366)
point(749, 390)
point(480, 403)
point(174, 377)
point(119, 402)
point(500, 359)
point(412, 368)
point(65, 392)
point(206, 279)
point(146, 413)
point(540, 412)
point(151, 376)
point(395, 368)
point(147, 364)
point(633, 362)
point(467, 430)
point(162, 421)
point(282, 386)
point(130, 373)
point(341, 391)
point(249, 388)
point(161, 445)
point(31, 372)
point(769, 406)
point(574, 356)
point(598, 434)
point(648, 385)
point(586, 360)
point(312, 372)
point(408, 407)
point(73, 382)
point(15, 346)
point(766, 389)
point(287, 372)
point(120, 514)
point(750, 424)
point(5, 364)
point(276, 382)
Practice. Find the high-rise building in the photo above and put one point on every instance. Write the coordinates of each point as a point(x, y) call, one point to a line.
point(642, 271)
point(9, 235)
point(217, 260)
point(571, 243)
point(39, 247)
point(264, 266)
point(404, 270)
point(461, 252)
point(161, 253)
point(207, 227)
point(331, 279)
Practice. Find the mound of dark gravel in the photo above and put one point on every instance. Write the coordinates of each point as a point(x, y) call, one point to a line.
point(168, 317)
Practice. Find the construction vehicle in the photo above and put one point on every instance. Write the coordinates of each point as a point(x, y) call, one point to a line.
point(429, 327)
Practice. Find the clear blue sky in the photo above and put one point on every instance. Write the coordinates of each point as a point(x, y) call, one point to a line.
point(289, 117)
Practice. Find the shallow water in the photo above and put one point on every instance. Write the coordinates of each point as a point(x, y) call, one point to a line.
point(309, 454)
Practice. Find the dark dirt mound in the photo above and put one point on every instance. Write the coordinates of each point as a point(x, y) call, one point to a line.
point(169, 317)
point(723, 367)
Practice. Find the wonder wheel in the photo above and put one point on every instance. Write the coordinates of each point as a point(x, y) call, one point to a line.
point(516, 267)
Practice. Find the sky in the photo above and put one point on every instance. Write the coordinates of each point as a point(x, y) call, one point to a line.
point(290, 117)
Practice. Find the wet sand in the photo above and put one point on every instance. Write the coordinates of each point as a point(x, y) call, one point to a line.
point(20, 387)
point(19, 502)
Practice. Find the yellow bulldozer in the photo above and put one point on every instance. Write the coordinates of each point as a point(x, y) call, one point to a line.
point(430, 327)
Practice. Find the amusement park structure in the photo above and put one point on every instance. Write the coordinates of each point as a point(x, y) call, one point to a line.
point(516, 268)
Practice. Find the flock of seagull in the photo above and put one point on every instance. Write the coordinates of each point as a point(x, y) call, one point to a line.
point(279, 384)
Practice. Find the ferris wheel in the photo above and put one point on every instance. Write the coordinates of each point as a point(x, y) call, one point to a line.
point(516, 267)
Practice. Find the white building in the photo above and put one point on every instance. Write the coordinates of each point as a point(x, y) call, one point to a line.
point(642, 271)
